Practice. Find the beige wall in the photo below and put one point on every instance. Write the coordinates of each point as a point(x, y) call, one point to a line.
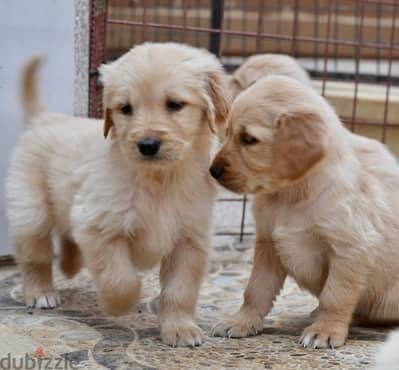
point(27, 28)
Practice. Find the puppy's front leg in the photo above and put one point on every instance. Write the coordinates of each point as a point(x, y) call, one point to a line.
point(116, 277)
point(337, 302)
point(267, 278)
point(181, 275)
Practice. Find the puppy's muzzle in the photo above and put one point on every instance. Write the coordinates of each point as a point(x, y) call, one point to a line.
point(217, 171)
point(149, 147)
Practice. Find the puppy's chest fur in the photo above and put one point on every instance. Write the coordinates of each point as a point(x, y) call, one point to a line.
point(152, 219)
point(301, 248)
point(158, 223)
point(152, 233)
point(155, 227)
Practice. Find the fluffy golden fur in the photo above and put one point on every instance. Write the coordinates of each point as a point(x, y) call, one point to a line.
point(263, 65)
point(326, 205)
point(113, 208)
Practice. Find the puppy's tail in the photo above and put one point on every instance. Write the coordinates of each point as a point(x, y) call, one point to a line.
point(31, 102)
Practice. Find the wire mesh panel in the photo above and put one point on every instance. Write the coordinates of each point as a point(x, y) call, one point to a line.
point(349, 47)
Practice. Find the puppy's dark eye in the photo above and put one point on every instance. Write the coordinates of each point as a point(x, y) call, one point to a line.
point(126, 109)
point(247, 139)
point(174, 106)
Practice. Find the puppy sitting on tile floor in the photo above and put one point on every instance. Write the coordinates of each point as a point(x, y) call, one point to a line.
point(139, 197)
point(326, 205)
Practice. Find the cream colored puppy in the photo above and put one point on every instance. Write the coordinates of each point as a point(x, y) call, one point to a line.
point(141, 197)
point(326, 204)
point(263, 65)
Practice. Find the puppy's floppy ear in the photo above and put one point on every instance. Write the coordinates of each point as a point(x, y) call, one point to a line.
point(300, 143)
point(220, 98)
point(108, 122)
point(104, 71)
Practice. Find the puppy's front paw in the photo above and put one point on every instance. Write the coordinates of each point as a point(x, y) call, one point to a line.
point(324, 334)
point(181, 333)
point(43, 300)
point(239, 326)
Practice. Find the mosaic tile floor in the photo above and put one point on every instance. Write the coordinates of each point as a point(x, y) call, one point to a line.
point(78, 331)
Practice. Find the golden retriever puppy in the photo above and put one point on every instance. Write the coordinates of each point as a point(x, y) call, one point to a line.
point(326, 205)
point(263, 65)
point(142, 196)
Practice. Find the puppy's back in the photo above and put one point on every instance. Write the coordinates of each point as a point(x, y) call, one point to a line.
point(51, 146)
point(377, 161)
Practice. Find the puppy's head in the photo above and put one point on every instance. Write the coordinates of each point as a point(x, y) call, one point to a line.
point(160, 100)
point(263, 65)
point(276, 136)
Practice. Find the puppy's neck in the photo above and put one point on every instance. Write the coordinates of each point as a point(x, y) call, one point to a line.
point(293, 194)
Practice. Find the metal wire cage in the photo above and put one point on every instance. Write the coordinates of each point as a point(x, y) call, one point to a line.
point(349, 47)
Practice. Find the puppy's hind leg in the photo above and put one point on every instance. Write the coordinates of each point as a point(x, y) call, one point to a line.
point(31, 224)
point(388, 312)
point(379, 309)
point(39, 291)
point(70, 257)
point(35, 260)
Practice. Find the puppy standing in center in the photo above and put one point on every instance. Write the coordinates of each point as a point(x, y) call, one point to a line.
point(124, 204)
point(326, 205)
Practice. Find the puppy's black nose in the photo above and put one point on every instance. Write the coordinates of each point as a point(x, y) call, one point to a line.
point(216, 171)
point(148, 146)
